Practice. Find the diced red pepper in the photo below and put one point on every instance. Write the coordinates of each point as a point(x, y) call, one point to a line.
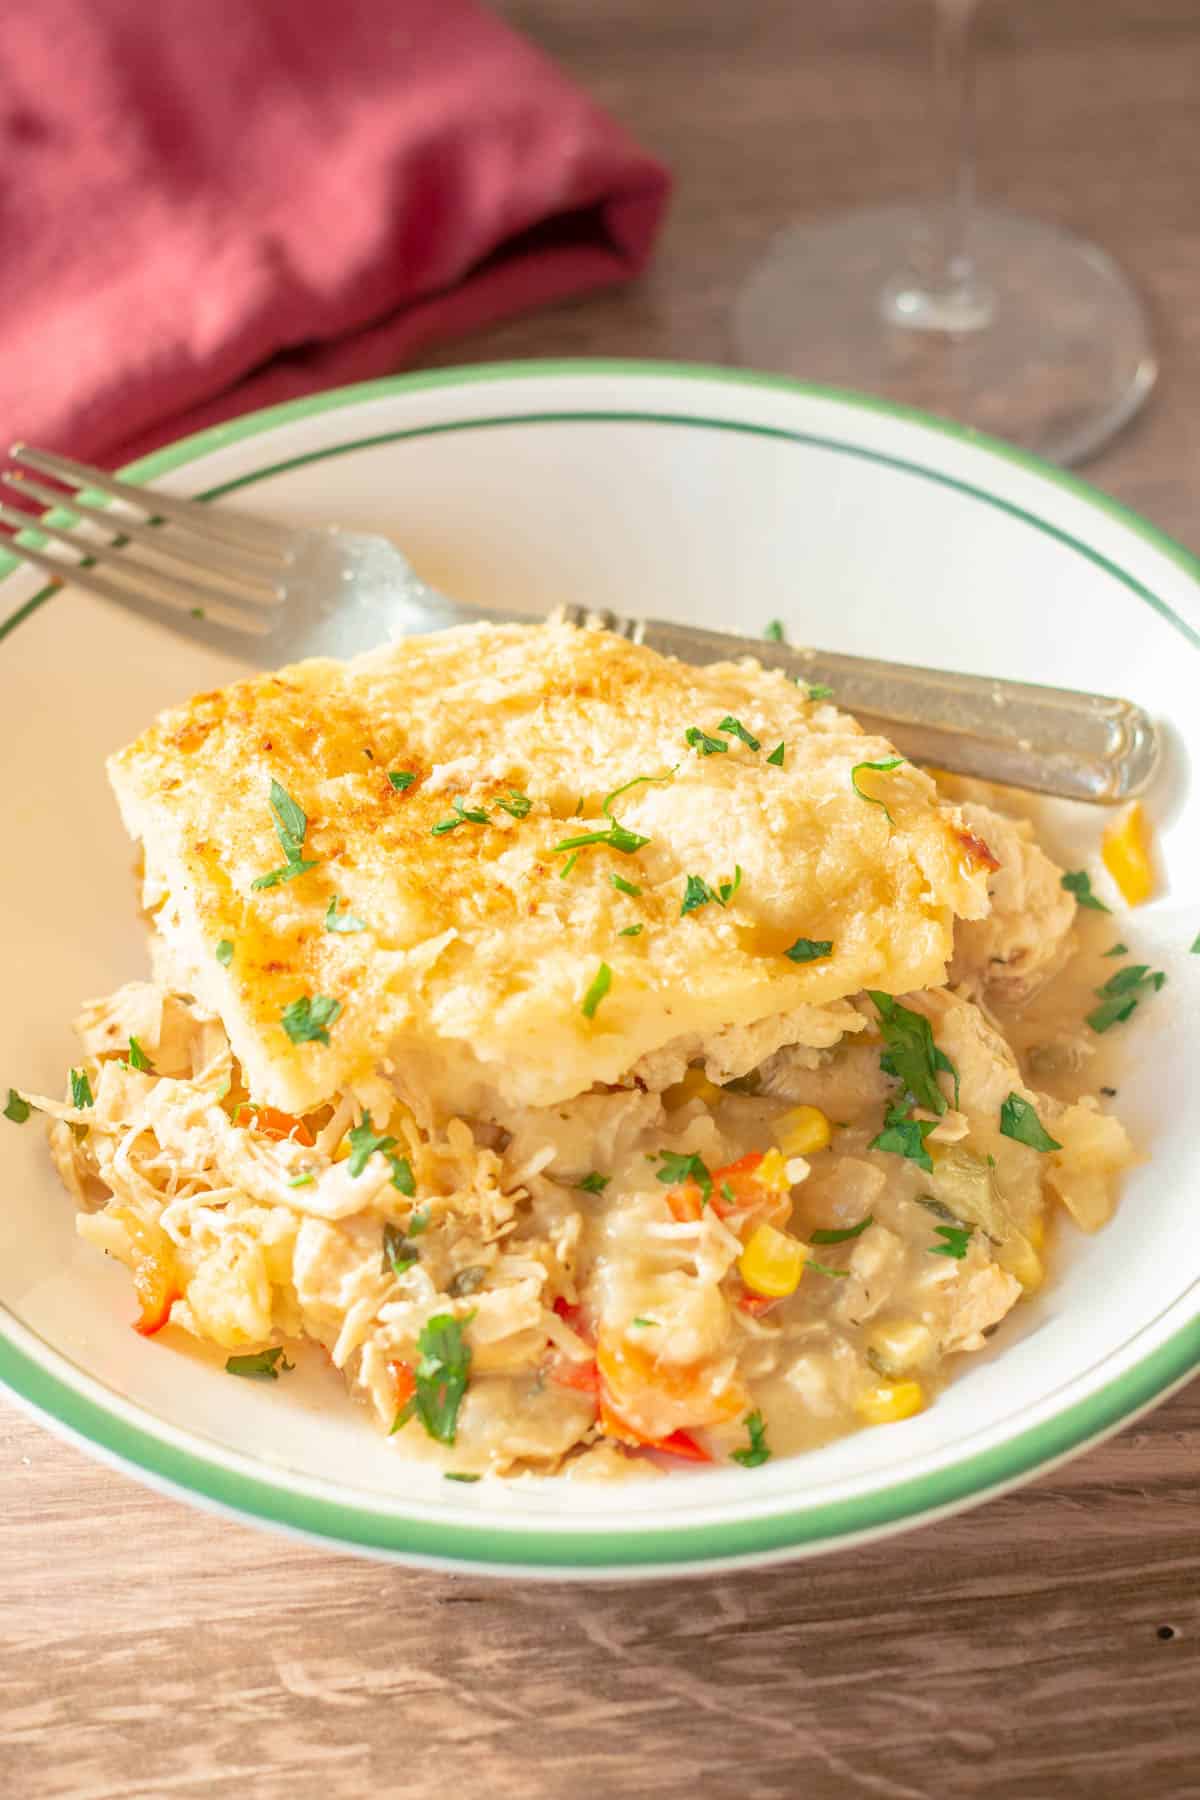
point(405, 1382)
point(681, 1443)
point(273, 1123)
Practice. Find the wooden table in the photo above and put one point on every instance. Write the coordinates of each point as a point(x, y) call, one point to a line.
point(1046, 1647)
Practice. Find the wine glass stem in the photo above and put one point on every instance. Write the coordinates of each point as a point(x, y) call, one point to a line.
point(943, 291)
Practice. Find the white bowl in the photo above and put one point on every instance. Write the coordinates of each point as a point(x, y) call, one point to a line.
point(687, 492)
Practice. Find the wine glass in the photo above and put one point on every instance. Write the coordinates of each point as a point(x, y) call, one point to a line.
point(1005, 323)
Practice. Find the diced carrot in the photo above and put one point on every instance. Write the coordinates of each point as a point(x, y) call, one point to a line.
point(155, 1285)
point(686, 1203)
point(273, 1123)
point(681, 1443)
point(405, 1381)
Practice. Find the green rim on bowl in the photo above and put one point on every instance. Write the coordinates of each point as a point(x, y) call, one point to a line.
point(457, 1537)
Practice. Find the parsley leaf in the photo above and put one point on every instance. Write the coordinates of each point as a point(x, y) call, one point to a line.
point(818, 691)
point(696, 894)
point(1195, 949)
point(738, 730)
point(225, 952)
point(1079, 883)
point(262, 1363)
point(401, 779)
point(1019, 1120)
point(1123, 949)
point(776, 755)
point(824, 1269)
point(595, 1183)
point(872, 799)
point(626, 887)
point(81, 1089)
point(905, 1137)
point(773, 632)
point(1121, 993)
point(841, 1237)
point(632, 931)
point(17, 1110)
point(517, 805)
point(912, 1056)
point(305, 1179)
point(138, 1058)
point(756, 1452)
point(403, 1182)
point(601, 982)
point(809, 949)
point(644, 1322)
point(464, 815)
point(291, 825)
point(956, 1238)
point(727, 889)
point(399, 1252)
point(307, 1019)
point(441, 1378)
point(703, 744)
point(364, 1140)
point(678, 1168)
point(460, 1475)
point(347, 921)
point(568, 865)
point(418, 1224)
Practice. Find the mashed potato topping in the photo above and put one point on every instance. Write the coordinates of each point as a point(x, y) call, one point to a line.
point(596, 1055)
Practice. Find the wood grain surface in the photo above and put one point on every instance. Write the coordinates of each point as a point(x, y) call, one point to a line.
point(1045, 1647)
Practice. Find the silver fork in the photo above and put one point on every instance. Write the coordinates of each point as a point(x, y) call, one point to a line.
point(275, 594)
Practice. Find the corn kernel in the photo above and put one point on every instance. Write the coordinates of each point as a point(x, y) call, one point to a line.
point(694, 1086)
point(896, 1346)
point(802, 1131)
point(1018, 1257)
point(772, 1174)
point(889, 1401)
point(772, 1263)
point(1126, 852)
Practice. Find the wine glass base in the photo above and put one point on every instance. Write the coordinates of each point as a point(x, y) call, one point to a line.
point(1052, 351)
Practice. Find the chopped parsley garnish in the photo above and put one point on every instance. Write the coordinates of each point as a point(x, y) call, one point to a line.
point(1079, 883)
point(467, 1281)
point(738, 730)
point(616, 836)
point(626, 887)
point(777, 754)
point(595, 1183)
point(225, 952)
point(1195, 949)
point(911, 1054)
point(632, 931)
point(568, 865)
point(17, 1110)
point(138, 1058)
point(347, 921)
point(841, 1237)
point(418, 1225)
point(756, 1451)
point(402, 1181)
point(399, 1252)
point(773, 632)
point(261, 1363)
point(291, 825)
point(463, 815)
point(601, 982)
point(817, 690)
point(678, 1168)
point(882, 768)
point(905, 1137)
point(518, 806)
point(401, 779)
point(460, 1475)
point(1019, 1120)
point(441, 1378)
point(645, 1323)
point(703, 744)
point(727, 889)
point(1121, 993)
point(1123, 949)
point(824, 1269)
point(364, 1141)
point(955, 1240)
point(728, 1194)
point(810, 949)
point(638, 781)
point(696, 894)
point(307, 1020)
point(304, 1179)
point(81, 1089)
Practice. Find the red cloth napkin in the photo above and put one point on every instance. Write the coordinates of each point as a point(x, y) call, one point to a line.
point(206, 208)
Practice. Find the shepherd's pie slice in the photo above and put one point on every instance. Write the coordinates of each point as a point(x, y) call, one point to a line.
point(505, 863)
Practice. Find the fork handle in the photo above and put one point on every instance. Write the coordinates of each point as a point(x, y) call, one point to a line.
point(1054, 741)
